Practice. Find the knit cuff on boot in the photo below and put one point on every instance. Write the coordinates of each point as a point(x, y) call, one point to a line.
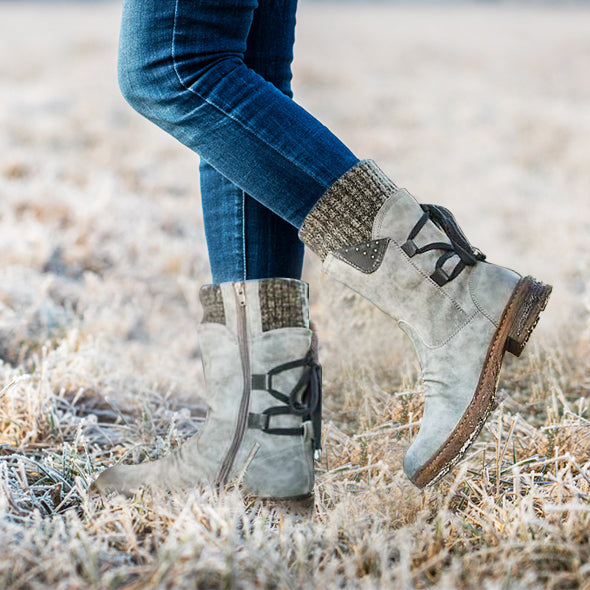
point(345, 213)
point(212, 302)
point(283, 304)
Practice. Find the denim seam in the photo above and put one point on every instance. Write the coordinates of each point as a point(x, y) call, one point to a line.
point(241, 123)
point(244, 258)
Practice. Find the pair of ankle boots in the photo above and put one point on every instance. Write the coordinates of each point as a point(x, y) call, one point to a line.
point(262, 375)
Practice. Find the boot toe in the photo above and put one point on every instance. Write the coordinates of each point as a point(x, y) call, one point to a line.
point(413, 462)
point(122, 479)
point(428, 445)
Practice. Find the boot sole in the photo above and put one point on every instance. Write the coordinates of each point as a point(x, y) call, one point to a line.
point(520, 317)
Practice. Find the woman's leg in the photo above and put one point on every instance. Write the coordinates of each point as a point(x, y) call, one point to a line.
point(245, 239)
point(259, 361)
point(182, 66)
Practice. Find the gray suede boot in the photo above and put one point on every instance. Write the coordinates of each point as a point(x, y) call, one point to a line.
point(460, 312)
point(263, 393)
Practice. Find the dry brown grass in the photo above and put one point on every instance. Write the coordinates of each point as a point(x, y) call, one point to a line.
point(103, 253)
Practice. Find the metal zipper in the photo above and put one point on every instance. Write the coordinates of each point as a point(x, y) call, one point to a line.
point(242, 333)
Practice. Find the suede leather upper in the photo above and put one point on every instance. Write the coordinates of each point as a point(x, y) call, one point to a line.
point(450, 326)
point(282, 466)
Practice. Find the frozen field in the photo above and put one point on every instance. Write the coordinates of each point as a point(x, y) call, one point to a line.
point(484, 109)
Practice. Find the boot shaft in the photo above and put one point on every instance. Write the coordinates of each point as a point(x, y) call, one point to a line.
point(425, 278)
point(269, 304)
point(248, 328)
point(262, 392)
point(256, 351)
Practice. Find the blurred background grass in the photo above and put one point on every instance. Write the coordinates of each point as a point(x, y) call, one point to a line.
point(482, 107)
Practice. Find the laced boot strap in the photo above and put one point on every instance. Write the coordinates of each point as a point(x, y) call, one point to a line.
point(304, 400)
point(459, 246)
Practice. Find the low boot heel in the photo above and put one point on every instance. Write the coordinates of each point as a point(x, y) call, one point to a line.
point(296, 506)
point(529, 300)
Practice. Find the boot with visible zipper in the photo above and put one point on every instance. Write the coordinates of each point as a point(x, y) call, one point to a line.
point(460, 312)
point(263, 386)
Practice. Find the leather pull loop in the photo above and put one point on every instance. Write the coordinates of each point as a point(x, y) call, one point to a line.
point(316, 414)
point(259, 421)
point(260, 382)
point(440, 277)
point(262, 422)
point(410, 248)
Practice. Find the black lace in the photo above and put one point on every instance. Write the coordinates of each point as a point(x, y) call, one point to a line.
point(459, 246)
point(304, 400)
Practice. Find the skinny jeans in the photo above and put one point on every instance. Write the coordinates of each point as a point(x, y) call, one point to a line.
point(216, 75)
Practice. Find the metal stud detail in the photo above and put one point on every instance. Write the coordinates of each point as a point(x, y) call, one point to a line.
point(365, 257)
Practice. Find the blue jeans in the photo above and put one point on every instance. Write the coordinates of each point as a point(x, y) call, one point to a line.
point(216, 75)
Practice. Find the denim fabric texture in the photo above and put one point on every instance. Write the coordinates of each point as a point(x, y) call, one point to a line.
point(216, 74)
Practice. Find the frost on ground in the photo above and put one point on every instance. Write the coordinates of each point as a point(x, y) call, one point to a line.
point(483, 109)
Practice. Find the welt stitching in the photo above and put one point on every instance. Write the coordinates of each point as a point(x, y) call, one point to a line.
point(477, 304)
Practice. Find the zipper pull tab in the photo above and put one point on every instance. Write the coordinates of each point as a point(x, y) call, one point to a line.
point(240, 290)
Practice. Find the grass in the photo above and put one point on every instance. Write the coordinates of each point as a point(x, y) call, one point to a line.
point(515, 513)
point(103, 253)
